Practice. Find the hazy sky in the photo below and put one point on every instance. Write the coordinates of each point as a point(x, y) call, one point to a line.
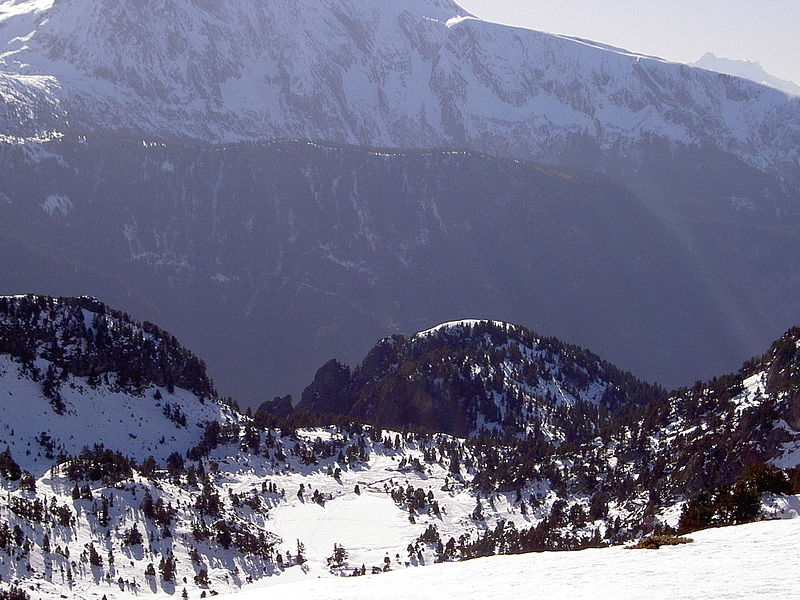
point(767, 31)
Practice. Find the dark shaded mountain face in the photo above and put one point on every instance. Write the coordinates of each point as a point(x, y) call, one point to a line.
point(467, 378)
point(269, 259)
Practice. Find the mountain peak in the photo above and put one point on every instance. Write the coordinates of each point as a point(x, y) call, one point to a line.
point(462, 326)
point(471, 377)
point(751, 70)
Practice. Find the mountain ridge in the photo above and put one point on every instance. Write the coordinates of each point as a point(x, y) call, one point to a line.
point(67, 362)
point(207, 70)
point(473, 377)
point(753, 71)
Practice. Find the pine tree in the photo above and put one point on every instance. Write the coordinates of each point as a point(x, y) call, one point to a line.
point(477, 513)
point(167, 568)
point(339, 556)
point(27, 482)
point(202, 577)
point(102, 512)
point(301, 550)
point(94, 558)
point(8, 466)
point(133, 537)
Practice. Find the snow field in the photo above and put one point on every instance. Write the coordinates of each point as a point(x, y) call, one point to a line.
point(135, 426)
point(749, 561)
point(368, 526)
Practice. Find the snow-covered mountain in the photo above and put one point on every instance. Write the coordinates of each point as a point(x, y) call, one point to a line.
point(116, 481)
point(473, 378)
point(747, 70)
point(75, 373)
point(420, 73)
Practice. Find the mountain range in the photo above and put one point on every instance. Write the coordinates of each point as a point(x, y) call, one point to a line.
point(124, 481)
point(279, 184)
point(417, 74)
point(443, 167)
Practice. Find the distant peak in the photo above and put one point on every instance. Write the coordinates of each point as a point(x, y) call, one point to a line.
point(746, 69)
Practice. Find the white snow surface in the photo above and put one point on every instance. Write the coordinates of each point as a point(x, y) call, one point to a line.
point(749, 561)
point(450, 326)
point(410, 74)
point(130, 424)
point(368, 525)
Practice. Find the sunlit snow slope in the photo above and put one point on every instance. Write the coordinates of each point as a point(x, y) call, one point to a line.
point(749, 561)
point(419, 73)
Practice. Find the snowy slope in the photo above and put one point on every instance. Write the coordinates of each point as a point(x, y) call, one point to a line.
point(131, 424)
point(418, 73)
point(370, 524)
point(237, 505)
point(64, 384)
point(241, 500)
point(748, 561)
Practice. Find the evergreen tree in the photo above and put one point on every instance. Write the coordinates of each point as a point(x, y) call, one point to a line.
point(133, 537)
point(8, 466)
point(339, 556)
point(477, 513)
point(202, 577)
point(94, 558)
point(167, 568)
